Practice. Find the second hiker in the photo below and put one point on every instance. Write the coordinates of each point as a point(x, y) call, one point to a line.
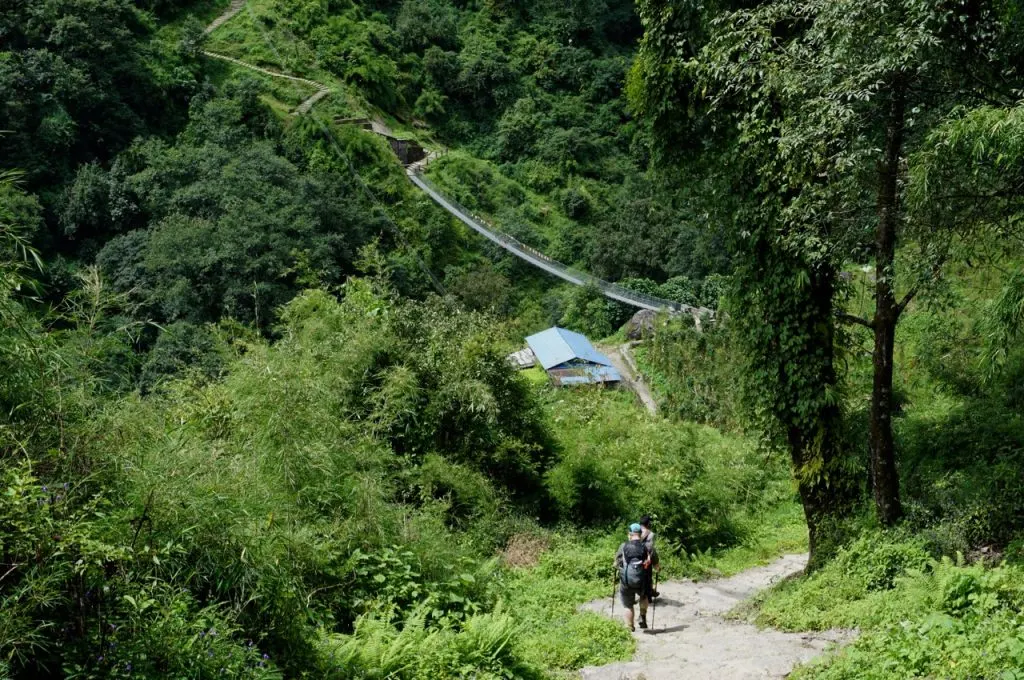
point(647, 536)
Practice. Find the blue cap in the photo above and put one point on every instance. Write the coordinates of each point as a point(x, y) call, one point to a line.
point(635, 528)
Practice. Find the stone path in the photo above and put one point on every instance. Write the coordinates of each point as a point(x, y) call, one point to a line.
point(420, 165)
point(234, 8)
point(692, 640)
point(626, 367)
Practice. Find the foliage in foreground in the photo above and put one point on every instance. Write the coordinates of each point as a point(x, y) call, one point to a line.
point(534, 631)
point(701, 486)
point(320, 505)
point(919, 616)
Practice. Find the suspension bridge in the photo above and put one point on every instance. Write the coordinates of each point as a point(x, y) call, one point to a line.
point(539, 259)
point(510, 244)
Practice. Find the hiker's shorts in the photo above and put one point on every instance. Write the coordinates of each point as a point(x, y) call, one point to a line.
point(628, 596)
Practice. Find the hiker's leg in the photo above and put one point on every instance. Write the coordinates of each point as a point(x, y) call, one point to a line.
point(628, 597)
point(643, 606)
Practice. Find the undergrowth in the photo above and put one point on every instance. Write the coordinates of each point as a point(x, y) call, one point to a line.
point(534, 627)
point(706, 490)
point(918, 616)
point(331, 505)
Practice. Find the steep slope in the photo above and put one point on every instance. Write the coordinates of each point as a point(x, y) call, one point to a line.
point(319, 89)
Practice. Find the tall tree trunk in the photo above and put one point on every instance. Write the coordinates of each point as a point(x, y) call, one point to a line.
point(826, 507)
point(885, 480)
point(828, 492)
point(786, 321)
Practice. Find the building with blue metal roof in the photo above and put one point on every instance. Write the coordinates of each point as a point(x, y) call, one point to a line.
point(570, 359)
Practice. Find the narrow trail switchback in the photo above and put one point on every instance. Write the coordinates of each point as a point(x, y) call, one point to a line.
point(306, 105)
point(234, 8)
point(692, 640)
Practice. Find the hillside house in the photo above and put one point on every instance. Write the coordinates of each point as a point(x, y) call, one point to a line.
point(570, 359)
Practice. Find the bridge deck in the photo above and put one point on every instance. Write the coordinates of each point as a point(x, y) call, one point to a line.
point(535, 257)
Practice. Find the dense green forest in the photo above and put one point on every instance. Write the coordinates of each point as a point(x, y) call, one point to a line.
point(256, 419)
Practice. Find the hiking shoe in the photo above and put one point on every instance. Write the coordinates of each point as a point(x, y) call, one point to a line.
point(643, 622)
point(654, 594)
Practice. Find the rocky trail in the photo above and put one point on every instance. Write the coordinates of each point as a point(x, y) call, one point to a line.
point(691, 638)
point(622, 359)
point(234, 8)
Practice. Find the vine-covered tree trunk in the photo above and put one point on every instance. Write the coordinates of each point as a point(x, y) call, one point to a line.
point(783, 308)
point(828, 491)
point(885, 479)
point(824, 501)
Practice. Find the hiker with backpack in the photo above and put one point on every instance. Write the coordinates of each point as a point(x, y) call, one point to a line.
point(632, 561)
point(647, 536)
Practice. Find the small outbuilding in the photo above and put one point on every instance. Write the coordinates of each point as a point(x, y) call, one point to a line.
point(407, 150)
point(523, 358)
point(570, 359)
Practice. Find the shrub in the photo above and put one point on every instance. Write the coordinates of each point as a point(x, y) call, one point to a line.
point(696, 511)
point(556, 635)
point(344, 470)
point(467, 494)
point(422, 23)
point(680, 289)
point(485, 647)
point(936, 646)
point(876, 560)
point(946, 620)
point(389, 583)
point(616, 464)
point(84, 596)
point(155, 631)
point(576, 203)
point(589, 312)
point(962, 471)
point(856, 588)
point(181, 347)
point(696, 374)
point(587, 488)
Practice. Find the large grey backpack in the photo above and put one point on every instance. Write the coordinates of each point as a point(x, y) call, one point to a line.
point(634, 564)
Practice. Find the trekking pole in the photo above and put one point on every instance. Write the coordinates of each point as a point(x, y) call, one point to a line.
point(654, 600)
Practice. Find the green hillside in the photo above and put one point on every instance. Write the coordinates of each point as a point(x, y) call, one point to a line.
point(256, 419)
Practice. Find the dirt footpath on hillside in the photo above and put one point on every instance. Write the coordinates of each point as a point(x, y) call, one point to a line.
point(621, 359)
point(692, 640)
